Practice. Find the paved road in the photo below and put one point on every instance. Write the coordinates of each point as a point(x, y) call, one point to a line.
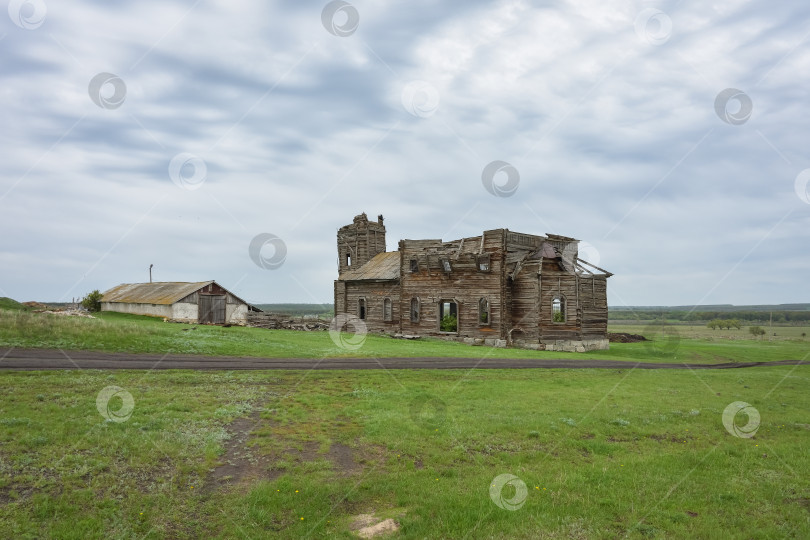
point(48, 359)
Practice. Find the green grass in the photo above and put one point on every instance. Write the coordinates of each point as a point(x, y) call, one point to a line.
point(12, 305)
point(137, 334)
point(603, 453)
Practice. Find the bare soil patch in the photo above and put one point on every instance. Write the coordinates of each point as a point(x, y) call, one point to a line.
point(242, 464)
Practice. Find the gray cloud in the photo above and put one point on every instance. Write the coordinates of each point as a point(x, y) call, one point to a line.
point(616, 140)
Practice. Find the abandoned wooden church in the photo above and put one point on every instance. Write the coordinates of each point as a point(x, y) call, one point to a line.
point(500, 288)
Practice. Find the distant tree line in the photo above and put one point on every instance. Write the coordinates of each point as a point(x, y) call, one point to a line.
point(781, 317)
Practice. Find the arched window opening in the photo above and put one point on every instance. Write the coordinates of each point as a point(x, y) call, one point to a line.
point(558, 309)
point(483, 312)
point(414, 310)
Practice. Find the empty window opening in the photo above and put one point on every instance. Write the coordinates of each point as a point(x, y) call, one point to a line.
point(483, 263)
point(348, 259)
point(483, 312)
point(448, 316)
point(446, 265)
point(414, 310)
point(414, 265)
point(361, 308)
point(558, 309)
point(388, 310)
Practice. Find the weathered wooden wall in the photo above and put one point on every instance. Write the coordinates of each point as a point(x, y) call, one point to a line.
point(593, 301)
point(465, 284)
point(362, 240)
point(526, 272)
point(555, 281)
point(340, 297)
point(374, 294)
point(525, 290)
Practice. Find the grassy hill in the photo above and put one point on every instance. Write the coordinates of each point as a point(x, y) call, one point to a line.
point(12, 305)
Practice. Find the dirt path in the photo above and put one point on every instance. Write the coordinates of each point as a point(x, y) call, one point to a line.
point(45, 359)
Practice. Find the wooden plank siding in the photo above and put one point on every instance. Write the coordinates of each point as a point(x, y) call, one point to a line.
point(593, 294)
point(557, 282)
point(519, 275)
point(465, 283)
point(374, 294)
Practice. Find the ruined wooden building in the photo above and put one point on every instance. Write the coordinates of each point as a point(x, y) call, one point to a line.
point(500, 288)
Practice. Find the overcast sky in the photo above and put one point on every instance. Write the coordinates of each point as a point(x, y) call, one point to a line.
point(669, 136)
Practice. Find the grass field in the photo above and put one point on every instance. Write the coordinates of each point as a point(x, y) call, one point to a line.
point(132, 333)
point(601, 453)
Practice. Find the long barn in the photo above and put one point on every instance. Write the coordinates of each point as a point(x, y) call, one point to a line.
point(499, 288)
point(203, 302)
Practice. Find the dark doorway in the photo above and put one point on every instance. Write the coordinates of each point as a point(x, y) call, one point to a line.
point(212, 309)
point(361, 308)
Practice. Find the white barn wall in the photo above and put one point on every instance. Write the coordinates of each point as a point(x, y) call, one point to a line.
point(236, 313)
point(154, 310)
point(184, 312)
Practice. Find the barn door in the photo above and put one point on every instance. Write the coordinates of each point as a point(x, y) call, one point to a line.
point(212, 309)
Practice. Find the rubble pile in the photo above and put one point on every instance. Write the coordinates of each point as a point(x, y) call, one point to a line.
point(275, 321)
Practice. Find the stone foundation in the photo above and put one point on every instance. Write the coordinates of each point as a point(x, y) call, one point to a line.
point(565, 345)
point(583, 345)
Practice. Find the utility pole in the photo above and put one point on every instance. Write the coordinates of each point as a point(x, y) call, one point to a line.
point(150, 272)
point(770, 328)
